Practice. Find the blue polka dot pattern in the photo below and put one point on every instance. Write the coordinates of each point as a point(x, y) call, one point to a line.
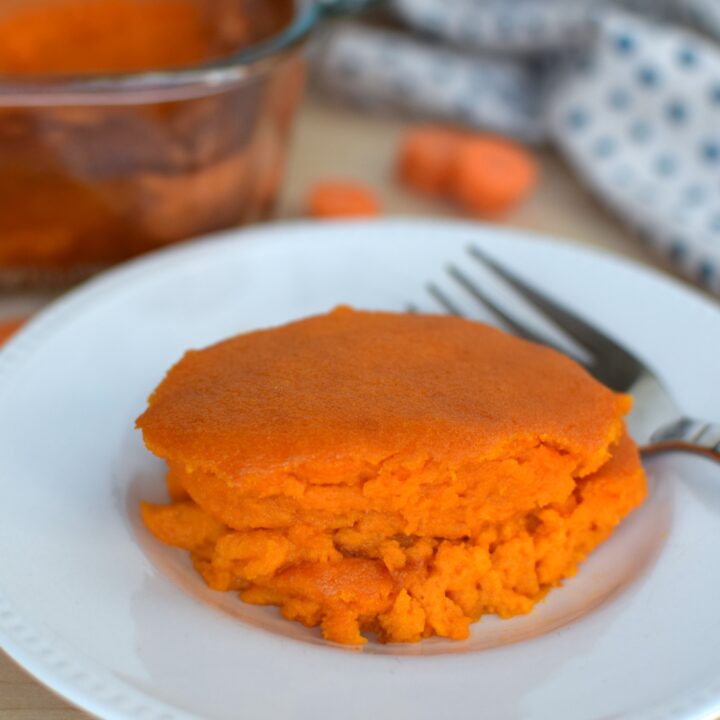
point(654, 99)
point(636, 110)
point(677, 251)
point(710, 151)
point(705, 272)
point(677, 111)
point(624, 43)
point(604, 147)
point(578, 119)
point(688, 57)
point(648, 77)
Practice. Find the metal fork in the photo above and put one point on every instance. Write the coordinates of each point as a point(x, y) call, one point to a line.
point(656, 423)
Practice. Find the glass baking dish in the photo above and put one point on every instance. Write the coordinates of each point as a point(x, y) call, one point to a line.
point(97, 168)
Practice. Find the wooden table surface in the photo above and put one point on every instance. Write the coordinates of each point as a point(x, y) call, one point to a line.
point(334, 142)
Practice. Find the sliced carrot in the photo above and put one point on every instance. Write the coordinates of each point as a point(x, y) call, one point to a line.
point(427, 158)
point(492, 174)
point(335, 198)
point(9, 327)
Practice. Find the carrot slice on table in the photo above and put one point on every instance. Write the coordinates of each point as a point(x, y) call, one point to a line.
point(492, 174)
point(335, 198)
point(427, 159)
point(9, 327)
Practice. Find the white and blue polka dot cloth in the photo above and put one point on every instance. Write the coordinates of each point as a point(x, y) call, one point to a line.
point(631, 98)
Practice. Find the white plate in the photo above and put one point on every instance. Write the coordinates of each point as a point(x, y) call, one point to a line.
point(122, 626)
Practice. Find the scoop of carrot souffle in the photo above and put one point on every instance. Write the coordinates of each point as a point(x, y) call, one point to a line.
point(398, 474)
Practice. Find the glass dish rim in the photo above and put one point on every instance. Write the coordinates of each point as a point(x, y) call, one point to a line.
point(152, 86)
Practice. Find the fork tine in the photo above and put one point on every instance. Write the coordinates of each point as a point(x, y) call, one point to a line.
point(588, 336)
point(447, 304)
point(519, 328)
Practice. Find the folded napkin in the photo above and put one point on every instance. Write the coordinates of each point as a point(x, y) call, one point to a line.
point(629, 93)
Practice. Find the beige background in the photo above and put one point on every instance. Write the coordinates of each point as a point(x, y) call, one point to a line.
point(334, 142)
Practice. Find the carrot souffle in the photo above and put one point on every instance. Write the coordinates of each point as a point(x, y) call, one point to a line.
point(389, 473)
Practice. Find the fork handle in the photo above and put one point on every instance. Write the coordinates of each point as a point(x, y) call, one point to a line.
point(690, 435)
